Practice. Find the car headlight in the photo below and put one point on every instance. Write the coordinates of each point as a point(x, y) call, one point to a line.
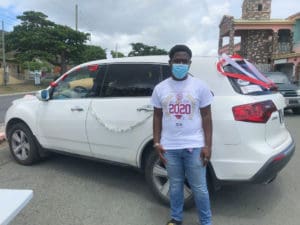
point(298, 92)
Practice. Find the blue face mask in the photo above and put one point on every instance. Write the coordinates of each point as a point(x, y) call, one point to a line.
point(180, 70)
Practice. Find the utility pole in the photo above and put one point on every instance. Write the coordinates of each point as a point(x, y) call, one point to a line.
point(5, 78)
point(76, 17)
point(117, 50)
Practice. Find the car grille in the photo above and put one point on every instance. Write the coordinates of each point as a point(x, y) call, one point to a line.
point(289, 93)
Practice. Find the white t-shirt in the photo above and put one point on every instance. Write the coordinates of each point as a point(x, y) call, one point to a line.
point(181, 102)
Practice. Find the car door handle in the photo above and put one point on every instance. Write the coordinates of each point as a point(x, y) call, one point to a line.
point(76, 108)
point(147, 108)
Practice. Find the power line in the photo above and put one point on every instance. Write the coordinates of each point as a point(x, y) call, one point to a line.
point(8, 19)
point(8, 16)
point(9, 22)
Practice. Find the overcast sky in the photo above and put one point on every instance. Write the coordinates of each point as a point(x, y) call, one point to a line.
point(162, 23)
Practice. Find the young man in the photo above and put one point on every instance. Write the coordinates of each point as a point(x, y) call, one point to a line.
point(182, 132)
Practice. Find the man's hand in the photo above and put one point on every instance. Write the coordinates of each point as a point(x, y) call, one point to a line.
point(205, 155)
point(160, 151)
point(157, 126)
point(207, 128)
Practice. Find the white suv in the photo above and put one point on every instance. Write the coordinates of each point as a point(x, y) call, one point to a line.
point(102, 110)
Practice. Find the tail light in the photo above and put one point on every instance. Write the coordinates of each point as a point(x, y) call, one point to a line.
point(258, 112)
point(279, 157)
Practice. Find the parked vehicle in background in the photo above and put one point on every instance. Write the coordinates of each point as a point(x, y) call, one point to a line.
point(290, 91)
point(102, 110)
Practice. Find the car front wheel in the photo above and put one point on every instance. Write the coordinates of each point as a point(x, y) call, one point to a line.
point(22, 144)
point(157, 178)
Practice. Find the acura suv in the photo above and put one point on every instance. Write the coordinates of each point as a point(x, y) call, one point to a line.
point(101, 110)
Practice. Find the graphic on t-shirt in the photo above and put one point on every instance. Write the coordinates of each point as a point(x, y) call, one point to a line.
point(181, 102)
point(179, 106)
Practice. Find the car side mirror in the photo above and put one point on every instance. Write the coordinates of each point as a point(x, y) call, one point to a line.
point(43, 95)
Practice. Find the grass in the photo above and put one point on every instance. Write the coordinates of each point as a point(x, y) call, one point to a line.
point(27, 86)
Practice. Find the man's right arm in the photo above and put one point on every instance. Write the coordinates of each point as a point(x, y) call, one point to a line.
point(157, 127)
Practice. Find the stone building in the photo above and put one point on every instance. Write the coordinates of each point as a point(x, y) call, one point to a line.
point(272, 44)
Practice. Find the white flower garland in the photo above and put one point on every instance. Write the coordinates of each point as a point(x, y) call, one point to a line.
point(118, 129)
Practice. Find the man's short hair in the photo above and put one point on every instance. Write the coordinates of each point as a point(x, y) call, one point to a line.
point(180, 48)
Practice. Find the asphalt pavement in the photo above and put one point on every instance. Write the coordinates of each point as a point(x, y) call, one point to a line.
point(5, 102)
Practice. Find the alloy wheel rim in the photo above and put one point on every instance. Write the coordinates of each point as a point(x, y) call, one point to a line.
point(20, 145)
point(161, 181)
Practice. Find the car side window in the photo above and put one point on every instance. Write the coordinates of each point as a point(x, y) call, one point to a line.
point(124, 80)
point(80, 83)
point(166, 72)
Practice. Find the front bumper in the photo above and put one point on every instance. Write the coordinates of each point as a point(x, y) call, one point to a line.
point(270, 169)
point(292, 102)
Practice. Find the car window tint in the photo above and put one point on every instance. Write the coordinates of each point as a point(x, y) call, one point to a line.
point(97, 82)
point(77, 84)
point(240, 85)
point(166, 72)
point(123, 80)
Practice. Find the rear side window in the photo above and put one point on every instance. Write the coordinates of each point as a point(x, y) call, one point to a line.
point(244, 76)
point(126, 80)
point(242, 86)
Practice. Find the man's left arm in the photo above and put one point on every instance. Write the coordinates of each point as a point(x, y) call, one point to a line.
point(207, 128)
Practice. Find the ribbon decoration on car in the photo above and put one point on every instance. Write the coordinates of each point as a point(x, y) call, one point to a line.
point(114, 128)
point(254, 77)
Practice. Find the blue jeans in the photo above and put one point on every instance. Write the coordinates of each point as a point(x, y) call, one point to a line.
point(183, 163)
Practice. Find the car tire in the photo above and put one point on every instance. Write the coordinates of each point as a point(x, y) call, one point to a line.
point(296, 111)
point(157, 179)
point(22, 144)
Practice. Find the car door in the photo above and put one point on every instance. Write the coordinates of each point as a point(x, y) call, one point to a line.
point(62, 119)
point(120, 120)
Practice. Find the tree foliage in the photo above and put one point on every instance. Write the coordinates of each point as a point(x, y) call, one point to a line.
point(91, 52)
point(140, 49)
point(36, 65)
point(117, 54)
point(37, 37)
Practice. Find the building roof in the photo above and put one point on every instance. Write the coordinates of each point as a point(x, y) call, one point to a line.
point(226, 18)
point(286, 55)
point(263, 22)
point(294, 16)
